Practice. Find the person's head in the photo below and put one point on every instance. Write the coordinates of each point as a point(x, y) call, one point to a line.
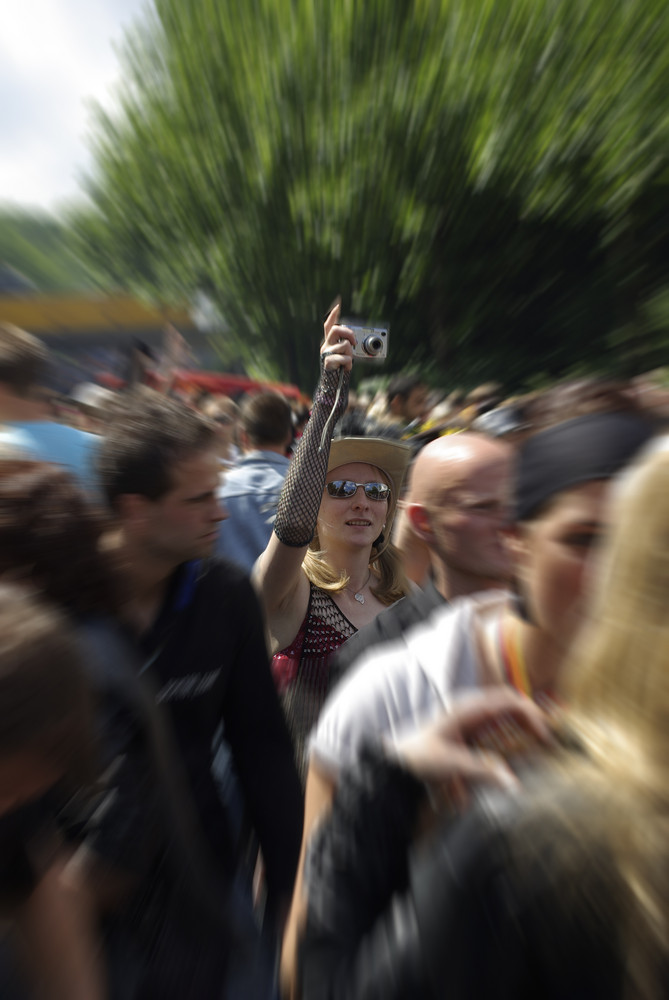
point(49, 537)
point(224, 414)
point(267, 422)
point(159, 470)
point(562, 480)
point(300, 417)
point(407, 397)
point(616, 689)
point(457, 504)
point(44, 699)
point(94, 404)
point(619, 674)
point(484, 397)
point(578, 398)
point(24, 364)
point(359, 502)
point(507, 422)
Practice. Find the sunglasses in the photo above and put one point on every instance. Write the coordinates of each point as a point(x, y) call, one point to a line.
point(344, 489)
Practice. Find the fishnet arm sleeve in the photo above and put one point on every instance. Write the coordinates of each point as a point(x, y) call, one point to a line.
point(303, 487)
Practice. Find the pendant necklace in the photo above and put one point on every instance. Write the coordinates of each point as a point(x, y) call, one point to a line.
point(360, 597)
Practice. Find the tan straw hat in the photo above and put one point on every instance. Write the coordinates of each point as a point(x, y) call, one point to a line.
point(391, 457)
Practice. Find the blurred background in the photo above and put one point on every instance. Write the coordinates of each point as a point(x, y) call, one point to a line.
point(201, 178)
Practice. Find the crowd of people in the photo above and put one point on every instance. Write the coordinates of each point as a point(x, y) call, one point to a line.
point(378, 711)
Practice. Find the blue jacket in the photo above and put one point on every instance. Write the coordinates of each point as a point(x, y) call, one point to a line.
point(49, 441)
point(250, 494)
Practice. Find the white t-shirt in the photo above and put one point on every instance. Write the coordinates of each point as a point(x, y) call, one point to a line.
point(396, 686)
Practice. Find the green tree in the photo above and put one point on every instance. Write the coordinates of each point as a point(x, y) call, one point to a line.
point(483, 175)
point(38, 247)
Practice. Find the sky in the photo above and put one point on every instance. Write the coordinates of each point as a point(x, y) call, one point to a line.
point(55, 55)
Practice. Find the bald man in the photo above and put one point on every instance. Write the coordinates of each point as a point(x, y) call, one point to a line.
point(456, 506)
point(449, 537)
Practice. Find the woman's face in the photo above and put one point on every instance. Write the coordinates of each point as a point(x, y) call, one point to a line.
point(552, 553)
point(356, 521)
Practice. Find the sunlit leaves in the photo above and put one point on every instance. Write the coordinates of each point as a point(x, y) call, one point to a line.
point(476, 172)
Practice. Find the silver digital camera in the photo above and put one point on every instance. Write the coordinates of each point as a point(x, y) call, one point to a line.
point(371, 342)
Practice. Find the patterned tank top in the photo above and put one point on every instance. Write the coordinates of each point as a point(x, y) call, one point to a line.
point(301, 671)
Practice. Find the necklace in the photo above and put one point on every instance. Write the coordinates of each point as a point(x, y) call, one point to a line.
point(360, 597)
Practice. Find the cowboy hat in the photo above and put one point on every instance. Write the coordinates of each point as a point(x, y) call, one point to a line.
point(391, 457)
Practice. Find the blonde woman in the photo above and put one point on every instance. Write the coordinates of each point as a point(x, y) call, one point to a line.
point(329, 567)
point(560, 890)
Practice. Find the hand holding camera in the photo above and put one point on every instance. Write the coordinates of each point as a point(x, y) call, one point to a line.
point(367, 343)
point(338, 342)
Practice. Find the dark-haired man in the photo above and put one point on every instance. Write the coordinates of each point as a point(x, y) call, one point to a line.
point(407, 396)
point(406, 403)
point(199, 630)
point(250, 492)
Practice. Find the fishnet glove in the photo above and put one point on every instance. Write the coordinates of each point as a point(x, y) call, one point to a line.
point(303, 487)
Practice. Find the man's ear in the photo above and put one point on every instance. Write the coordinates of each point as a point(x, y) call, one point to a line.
point(134, 509)
point(419, 519)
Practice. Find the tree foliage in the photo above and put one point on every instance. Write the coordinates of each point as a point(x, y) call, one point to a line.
point(489, 177)
point(38, 247)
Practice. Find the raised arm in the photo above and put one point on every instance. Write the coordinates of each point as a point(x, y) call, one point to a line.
point(278, 572)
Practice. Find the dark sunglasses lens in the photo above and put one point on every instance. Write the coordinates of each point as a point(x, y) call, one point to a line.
point(377, 491)
point(341, 488)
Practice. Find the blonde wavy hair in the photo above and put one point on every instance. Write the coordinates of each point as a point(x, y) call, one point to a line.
point(617, 689)
point(390, 580)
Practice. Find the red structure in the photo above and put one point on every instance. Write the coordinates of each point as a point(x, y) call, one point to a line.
point(216, 383)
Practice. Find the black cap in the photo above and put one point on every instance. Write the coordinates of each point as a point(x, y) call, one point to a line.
point(596, 446)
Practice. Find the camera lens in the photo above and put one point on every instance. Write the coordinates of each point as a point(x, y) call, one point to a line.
point(372, 345)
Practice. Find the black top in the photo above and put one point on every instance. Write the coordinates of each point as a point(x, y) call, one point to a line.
point(464, 915)
point(207, 660)
point(387, 626)
point(172, 935)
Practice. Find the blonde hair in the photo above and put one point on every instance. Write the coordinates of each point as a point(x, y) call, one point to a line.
point(617, 688)
point(385, 564)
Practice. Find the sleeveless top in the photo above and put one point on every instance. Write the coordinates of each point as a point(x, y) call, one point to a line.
point(301, 670)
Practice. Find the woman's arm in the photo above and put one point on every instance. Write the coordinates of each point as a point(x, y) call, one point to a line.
point(319, 793)
point(354, 866)
point(362, 937)
point(277, 573)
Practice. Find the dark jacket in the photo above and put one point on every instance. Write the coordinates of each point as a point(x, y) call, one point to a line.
point(456, 918)
point(207, 660)
point(205, 663)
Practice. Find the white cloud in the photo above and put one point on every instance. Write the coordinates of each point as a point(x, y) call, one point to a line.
point(55, 55)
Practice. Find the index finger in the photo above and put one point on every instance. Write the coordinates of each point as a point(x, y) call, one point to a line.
point(333, 316)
